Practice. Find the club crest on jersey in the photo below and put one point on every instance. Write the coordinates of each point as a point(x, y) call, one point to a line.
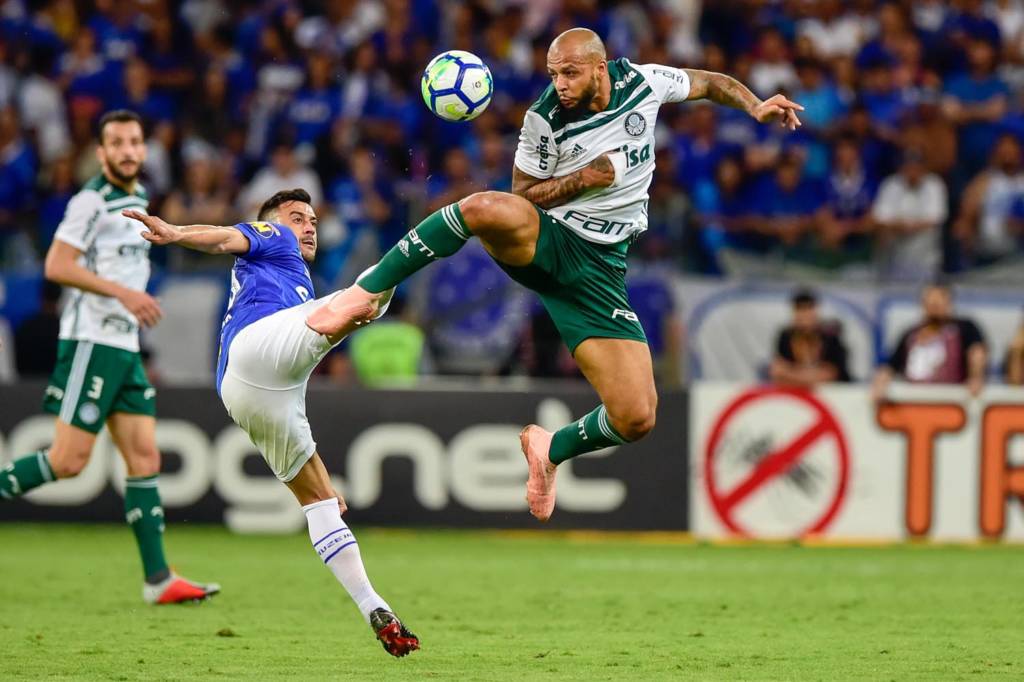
point(265, 229)
point(635, 124)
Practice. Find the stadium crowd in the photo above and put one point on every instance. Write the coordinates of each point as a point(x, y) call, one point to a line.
point(908, 164)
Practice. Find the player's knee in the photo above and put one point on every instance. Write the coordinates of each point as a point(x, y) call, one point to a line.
point(634, 423)
point(486, 211)
point(68, 462)
point(144, 461)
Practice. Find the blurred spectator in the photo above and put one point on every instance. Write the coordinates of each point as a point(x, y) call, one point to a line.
point(809, 352)
point(284, 172)
point(772, 70)
point(930, 15)
point(908, 215)
point(833, 31)
point(932, 133)
point(8, 78)
point(455, 182)
point(785, 203)
point(668, 213)
point(876, 150)
point(968, 22)
point(366, 205)
point(117, 26)
point(138, 95)
point(61, 181)
point(35, 340)
point(724, 214)
point(203, 200)
point(214, 114)
point(343, 25)
point(941, 349)
point(18, 168)
point(985, 225)
point(844, 223)
point(822, 108)
point(976, 101)
point(41, 106)
point(495, 167)
point(699, 148)
point(82, 67)
point(314, 108)
point(168, 52)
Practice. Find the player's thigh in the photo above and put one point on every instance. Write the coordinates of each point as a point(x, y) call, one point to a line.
point(313, 484)
point(135, 438)
point(274, 420)
point(507, 225)
point(71, 449)
point(621, 372)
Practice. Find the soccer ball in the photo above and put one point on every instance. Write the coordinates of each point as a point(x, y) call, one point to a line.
point(457, 85)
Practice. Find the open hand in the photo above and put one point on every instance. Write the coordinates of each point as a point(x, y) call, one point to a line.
point(778, 108)
point(158, 231)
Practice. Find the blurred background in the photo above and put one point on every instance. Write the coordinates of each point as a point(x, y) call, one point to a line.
point(778, 258)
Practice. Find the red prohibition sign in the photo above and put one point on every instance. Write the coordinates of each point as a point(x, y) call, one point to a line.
point(777, 462)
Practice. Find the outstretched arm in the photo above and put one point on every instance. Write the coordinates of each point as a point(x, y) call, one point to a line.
point(723, 89)
point(205, 238)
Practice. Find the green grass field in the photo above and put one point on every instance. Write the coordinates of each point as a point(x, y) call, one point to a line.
point(492, 606)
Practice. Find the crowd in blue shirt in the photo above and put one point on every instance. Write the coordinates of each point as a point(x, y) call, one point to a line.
point(225, 82)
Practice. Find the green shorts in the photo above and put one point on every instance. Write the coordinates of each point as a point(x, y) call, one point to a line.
point(91, 381)
point(581, 284)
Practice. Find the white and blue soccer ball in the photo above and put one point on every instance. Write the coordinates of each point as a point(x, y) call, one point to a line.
point(457, 85)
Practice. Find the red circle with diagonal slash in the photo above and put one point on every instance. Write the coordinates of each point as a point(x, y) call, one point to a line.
point(779, 461)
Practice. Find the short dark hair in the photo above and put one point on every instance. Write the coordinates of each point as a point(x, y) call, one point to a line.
point(282, 197)
point(804, 298)
point(117, 116)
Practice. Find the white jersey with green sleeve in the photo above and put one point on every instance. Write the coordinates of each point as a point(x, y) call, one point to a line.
point(112, 246)
point(555, 143)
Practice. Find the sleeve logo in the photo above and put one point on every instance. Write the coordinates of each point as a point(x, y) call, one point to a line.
point(265, 229)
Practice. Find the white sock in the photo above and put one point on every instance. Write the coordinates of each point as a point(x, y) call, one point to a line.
point(337, 548)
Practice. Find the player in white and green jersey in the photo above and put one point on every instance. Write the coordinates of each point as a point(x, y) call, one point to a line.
point(582, 169)
point(99, 378)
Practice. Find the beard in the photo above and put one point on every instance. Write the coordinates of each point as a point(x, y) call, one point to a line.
point(121, 177)
point(936, 320)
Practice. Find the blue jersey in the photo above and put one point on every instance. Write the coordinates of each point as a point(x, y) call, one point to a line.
point(272, 276)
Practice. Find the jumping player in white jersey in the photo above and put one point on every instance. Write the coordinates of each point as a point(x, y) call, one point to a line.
point(582, 169)
point(98, 378)
point(267, 353)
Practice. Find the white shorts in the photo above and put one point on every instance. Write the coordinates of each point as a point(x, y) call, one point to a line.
point(264, 385)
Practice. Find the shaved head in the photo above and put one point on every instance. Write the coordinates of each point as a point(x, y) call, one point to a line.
point(579, 70)
point(578, 44)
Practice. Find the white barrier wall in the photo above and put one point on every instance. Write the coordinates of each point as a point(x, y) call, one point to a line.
point(934, 463)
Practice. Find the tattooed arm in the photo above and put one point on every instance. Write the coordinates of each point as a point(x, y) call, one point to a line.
point(553, 192)
point(726, 90)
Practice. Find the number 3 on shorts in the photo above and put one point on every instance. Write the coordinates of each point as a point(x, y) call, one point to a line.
point(96, 389)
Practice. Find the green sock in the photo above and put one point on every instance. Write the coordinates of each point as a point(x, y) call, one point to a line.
point(25, 473)
point(590, 433)
point(441, 234)
point(146, 517)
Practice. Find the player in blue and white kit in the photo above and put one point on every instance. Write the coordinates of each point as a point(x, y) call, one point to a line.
point(267, 353)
